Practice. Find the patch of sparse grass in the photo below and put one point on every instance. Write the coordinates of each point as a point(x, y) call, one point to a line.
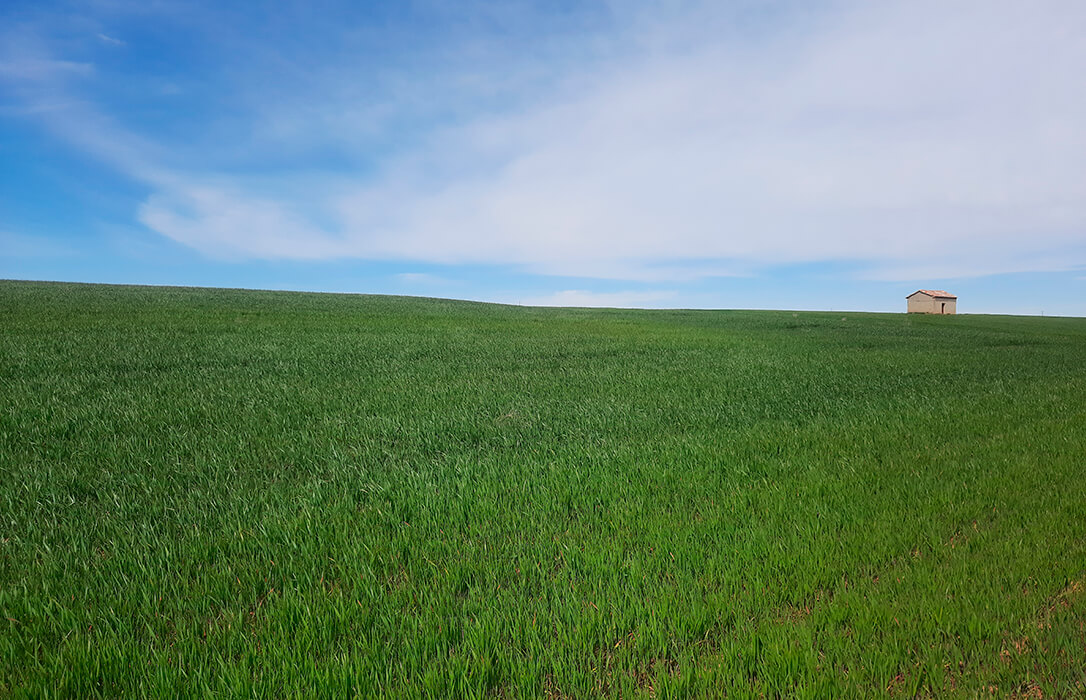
point(210, 492)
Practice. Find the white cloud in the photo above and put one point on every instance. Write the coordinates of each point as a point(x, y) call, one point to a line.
point(106, 39)
point(422, 279)
point(615, 300)
point(908, 137)
point(899, 134)
point(977, 264)
point(35, 69)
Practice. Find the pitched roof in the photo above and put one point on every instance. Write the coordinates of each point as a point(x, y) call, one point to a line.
point(938, 293)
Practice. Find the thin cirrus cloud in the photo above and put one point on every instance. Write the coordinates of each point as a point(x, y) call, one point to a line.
point(613, 300)
point(884, 135)
point(35, 69)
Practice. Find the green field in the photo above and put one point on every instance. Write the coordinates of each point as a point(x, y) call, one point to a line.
point(231, 493)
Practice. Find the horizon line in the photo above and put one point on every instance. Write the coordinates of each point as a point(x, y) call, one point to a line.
point(510, 304)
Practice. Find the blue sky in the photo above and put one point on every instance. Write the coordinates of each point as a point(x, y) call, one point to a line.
point(799, 155)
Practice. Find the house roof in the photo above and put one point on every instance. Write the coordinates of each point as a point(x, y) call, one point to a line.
point(937, 293)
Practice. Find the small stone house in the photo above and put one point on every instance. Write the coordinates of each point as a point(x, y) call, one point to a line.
point(932, 301)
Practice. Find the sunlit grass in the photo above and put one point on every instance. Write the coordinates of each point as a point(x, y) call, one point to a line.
point(221, 492)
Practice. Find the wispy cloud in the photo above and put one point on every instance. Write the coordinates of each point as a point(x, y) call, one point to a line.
point(105, 38)
point(36, 69)
point(422, 279)
point(903, 137)
point(616, 300)
point(979, 262)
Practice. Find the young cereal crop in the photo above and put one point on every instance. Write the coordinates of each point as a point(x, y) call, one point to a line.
point(224, 493)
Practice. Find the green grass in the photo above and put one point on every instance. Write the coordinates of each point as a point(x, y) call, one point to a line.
point(211, 492)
